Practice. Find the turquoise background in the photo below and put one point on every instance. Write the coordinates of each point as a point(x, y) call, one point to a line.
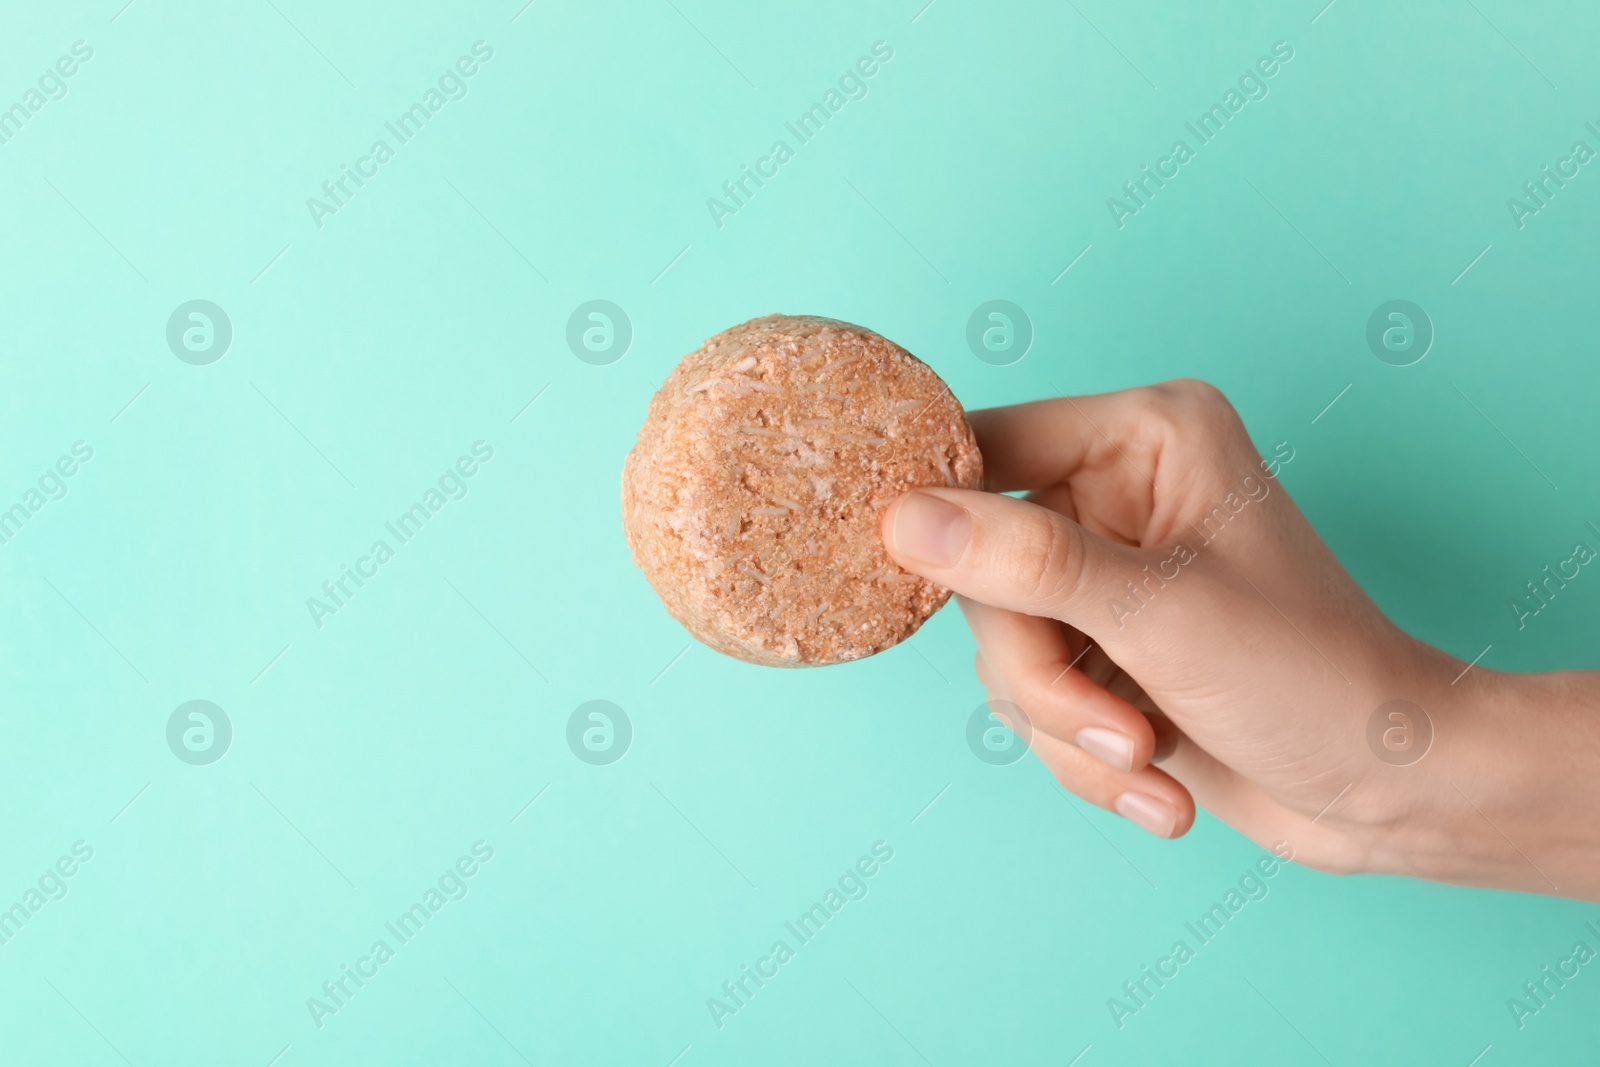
point(368, 354)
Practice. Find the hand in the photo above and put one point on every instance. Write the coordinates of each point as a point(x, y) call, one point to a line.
point(1176, 633)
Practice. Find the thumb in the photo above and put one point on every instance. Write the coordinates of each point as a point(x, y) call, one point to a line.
point(1010, 553)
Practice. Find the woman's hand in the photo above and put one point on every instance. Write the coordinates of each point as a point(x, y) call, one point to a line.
point(1177, 633)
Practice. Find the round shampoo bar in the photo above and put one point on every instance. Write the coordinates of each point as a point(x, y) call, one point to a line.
point(753, 497)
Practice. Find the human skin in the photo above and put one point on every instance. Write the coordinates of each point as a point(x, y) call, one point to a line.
point(1242, 670)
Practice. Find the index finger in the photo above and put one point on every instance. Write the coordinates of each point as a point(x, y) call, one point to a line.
point(1046, 442)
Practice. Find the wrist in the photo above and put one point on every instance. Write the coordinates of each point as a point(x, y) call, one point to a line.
point(1508, 796)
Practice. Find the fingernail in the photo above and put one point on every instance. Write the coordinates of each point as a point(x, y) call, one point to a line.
point(930, 529)
point(1147, 812)
point(1107, 745)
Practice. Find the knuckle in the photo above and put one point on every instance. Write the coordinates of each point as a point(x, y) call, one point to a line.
point(1034, 692)
point(1203, 418)
point(1049, 564)
point(1193, 391)
point(1193, 397)
point(1160, 400)
point(1201, 391)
